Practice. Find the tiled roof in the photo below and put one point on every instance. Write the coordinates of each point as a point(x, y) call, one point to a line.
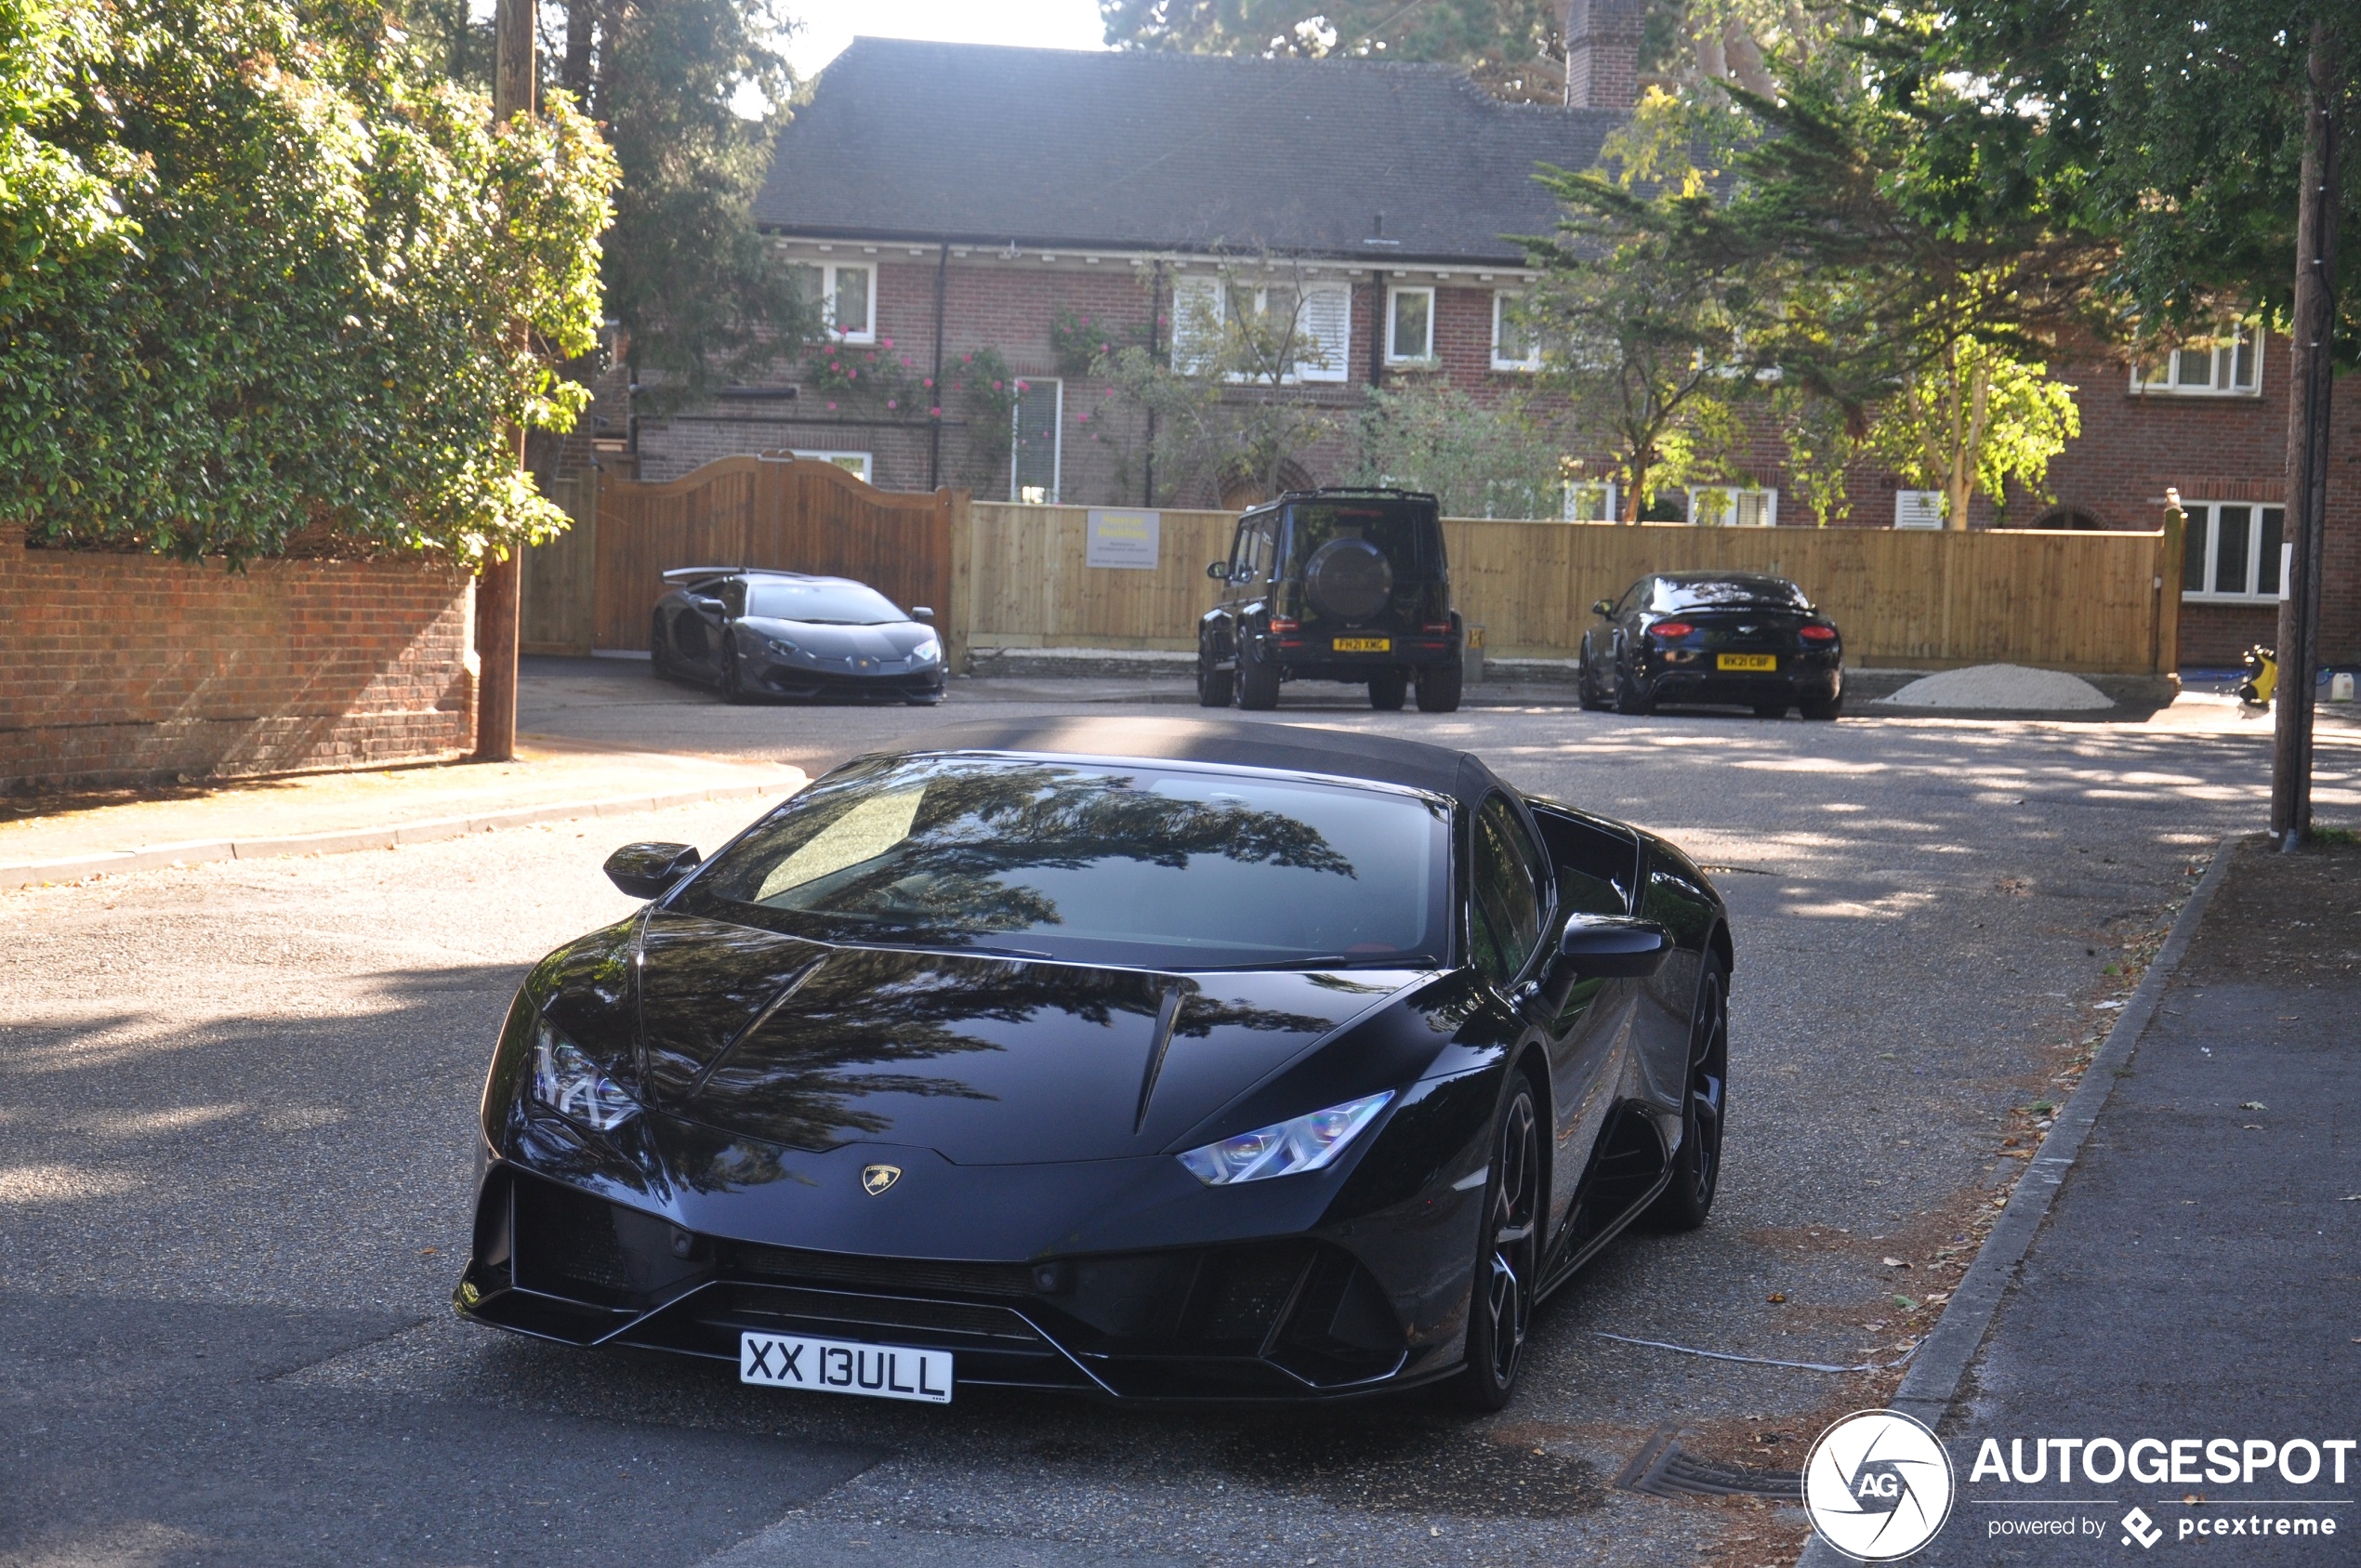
point(1046, 148)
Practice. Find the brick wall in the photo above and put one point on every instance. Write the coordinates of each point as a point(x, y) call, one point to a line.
point(125, 669)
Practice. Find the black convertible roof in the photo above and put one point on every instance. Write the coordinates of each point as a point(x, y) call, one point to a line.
point(1288, 748)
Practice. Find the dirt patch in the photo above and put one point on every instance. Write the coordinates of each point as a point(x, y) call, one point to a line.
point(2279, 916)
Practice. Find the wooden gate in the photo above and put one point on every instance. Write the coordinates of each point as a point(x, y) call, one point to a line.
point(794, 516)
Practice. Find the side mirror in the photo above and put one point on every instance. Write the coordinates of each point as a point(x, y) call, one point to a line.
point(710, 606)
point(1219, 570)
point(1604, 608)
point(920, 612)
point(650, 871)
point(1615, 947)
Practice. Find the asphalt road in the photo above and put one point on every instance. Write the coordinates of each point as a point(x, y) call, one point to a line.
point(236, 1099)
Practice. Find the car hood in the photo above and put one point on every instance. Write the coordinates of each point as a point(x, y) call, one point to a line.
point(985, 1060)
point(891, 639)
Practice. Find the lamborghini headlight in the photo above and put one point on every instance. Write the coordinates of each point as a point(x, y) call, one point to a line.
point(780, 646)
point(1306, 1143)
point(926, 652)
point(575, 1088)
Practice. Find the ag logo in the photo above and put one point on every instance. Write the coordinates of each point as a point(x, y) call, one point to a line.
point(1878, 1486)
point(876, 1179)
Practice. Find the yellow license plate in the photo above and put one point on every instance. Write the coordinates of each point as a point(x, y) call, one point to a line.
point(1365, 645)
point(1746, 661)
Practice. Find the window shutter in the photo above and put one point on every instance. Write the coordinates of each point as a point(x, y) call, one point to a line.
point(1196, 322)
point(1326, 326)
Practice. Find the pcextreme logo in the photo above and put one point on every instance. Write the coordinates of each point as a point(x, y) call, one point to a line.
point(1878, 1486)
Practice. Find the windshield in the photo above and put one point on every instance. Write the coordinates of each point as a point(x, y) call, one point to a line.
point(1775, 593)
point(1405, 532)
point(1148, 866)
point(830, 604)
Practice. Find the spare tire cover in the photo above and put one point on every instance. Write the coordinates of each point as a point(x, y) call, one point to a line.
point(1349, 579)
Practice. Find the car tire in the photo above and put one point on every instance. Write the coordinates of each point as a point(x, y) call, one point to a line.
point(1696, 1165)
point(1629, 700)
point(1439, 688)
point(657, 665)
point(1389, 690)
point(1215, 687)
point(1586, 690)
point(1823, 709)
point(1507, 1256)
point(733, 687)
point(1257, 684)
point(1771, 710)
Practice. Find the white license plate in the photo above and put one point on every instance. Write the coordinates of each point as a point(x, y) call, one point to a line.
point(841, 1367)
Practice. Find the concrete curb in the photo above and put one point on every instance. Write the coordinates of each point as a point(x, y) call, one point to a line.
point(1936, 1372)
point(199, 850)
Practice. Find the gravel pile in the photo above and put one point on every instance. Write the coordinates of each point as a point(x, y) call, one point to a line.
point(2010, 687)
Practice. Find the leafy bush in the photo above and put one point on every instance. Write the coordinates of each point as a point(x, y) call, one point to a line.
point(275, 286)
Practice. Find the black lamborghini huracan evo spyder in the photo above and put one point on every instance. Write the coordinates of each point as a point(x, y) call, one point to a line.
point(1145, 1059)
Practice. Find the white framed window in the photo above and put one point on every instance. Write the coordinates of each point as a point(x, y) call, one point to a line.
point(854, 463)
point(1918, 508)
point(2226, 367)
point(845, 293)
point(1036, 441)
point(1734, 505)
point(1590, 500)
point(1409, 324)
point(1203, 306)
point(2231, 552)
point(1514, 345)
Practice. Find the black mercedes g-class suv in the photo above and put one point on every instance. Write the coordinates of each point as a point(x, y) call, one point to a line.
point(1334, 585)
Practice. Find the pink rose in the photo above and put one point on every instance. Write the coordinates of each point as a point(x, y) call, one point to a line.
point(891, 403)
point(929, 382)
point(995, 385)
point(886, 343)
point(832, 408)
point(934, 413)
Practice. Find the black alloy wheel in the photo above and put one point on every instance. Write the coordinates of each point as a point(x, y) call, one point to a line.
point(732, 684)
point(1508, 1258)
point(1257, 683)
point(1630, 701)
point(1214, 686)
point(1697, 1167)
point(657, 665)
point(1389, 690)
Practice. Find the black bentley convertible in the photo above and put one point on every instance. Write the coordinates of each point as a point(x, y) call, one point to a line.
point(1144, 1058)
point(755, 633)
point(1728, 637)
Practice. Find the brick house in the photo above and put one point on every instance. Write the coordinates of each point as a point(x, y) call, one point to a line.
point(958, 208)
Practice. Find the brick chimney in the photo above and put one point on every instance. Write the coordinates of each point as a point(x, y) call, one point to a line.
point(1603, 52)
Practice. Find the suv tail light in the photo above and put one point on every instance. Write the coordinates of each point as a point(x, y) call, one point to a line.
point(1819, 634)
point(1280, 623)
point(1670, 628)
point(1437, 628)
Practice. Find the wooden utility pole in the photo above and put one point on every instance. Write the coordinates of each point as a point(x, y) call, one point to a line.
point(2313, 358)
point(497, 591)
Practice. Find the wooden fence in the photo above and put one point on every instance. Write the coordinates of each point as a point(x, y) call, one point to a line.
point(1018, 576)
point(2092, 602)
point(592, 589)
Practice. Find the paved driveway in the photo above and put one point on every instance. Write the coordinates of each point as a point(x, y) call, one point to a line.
point(235, 1103)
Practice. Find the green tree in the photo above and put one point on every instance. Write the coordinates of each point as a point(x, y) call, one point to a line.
point(1477, 461)
point(1514, 48)
point(1227, 395)
point(1644, 336)
point(1973, 418)
point(301, 310)
point(692, 95)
